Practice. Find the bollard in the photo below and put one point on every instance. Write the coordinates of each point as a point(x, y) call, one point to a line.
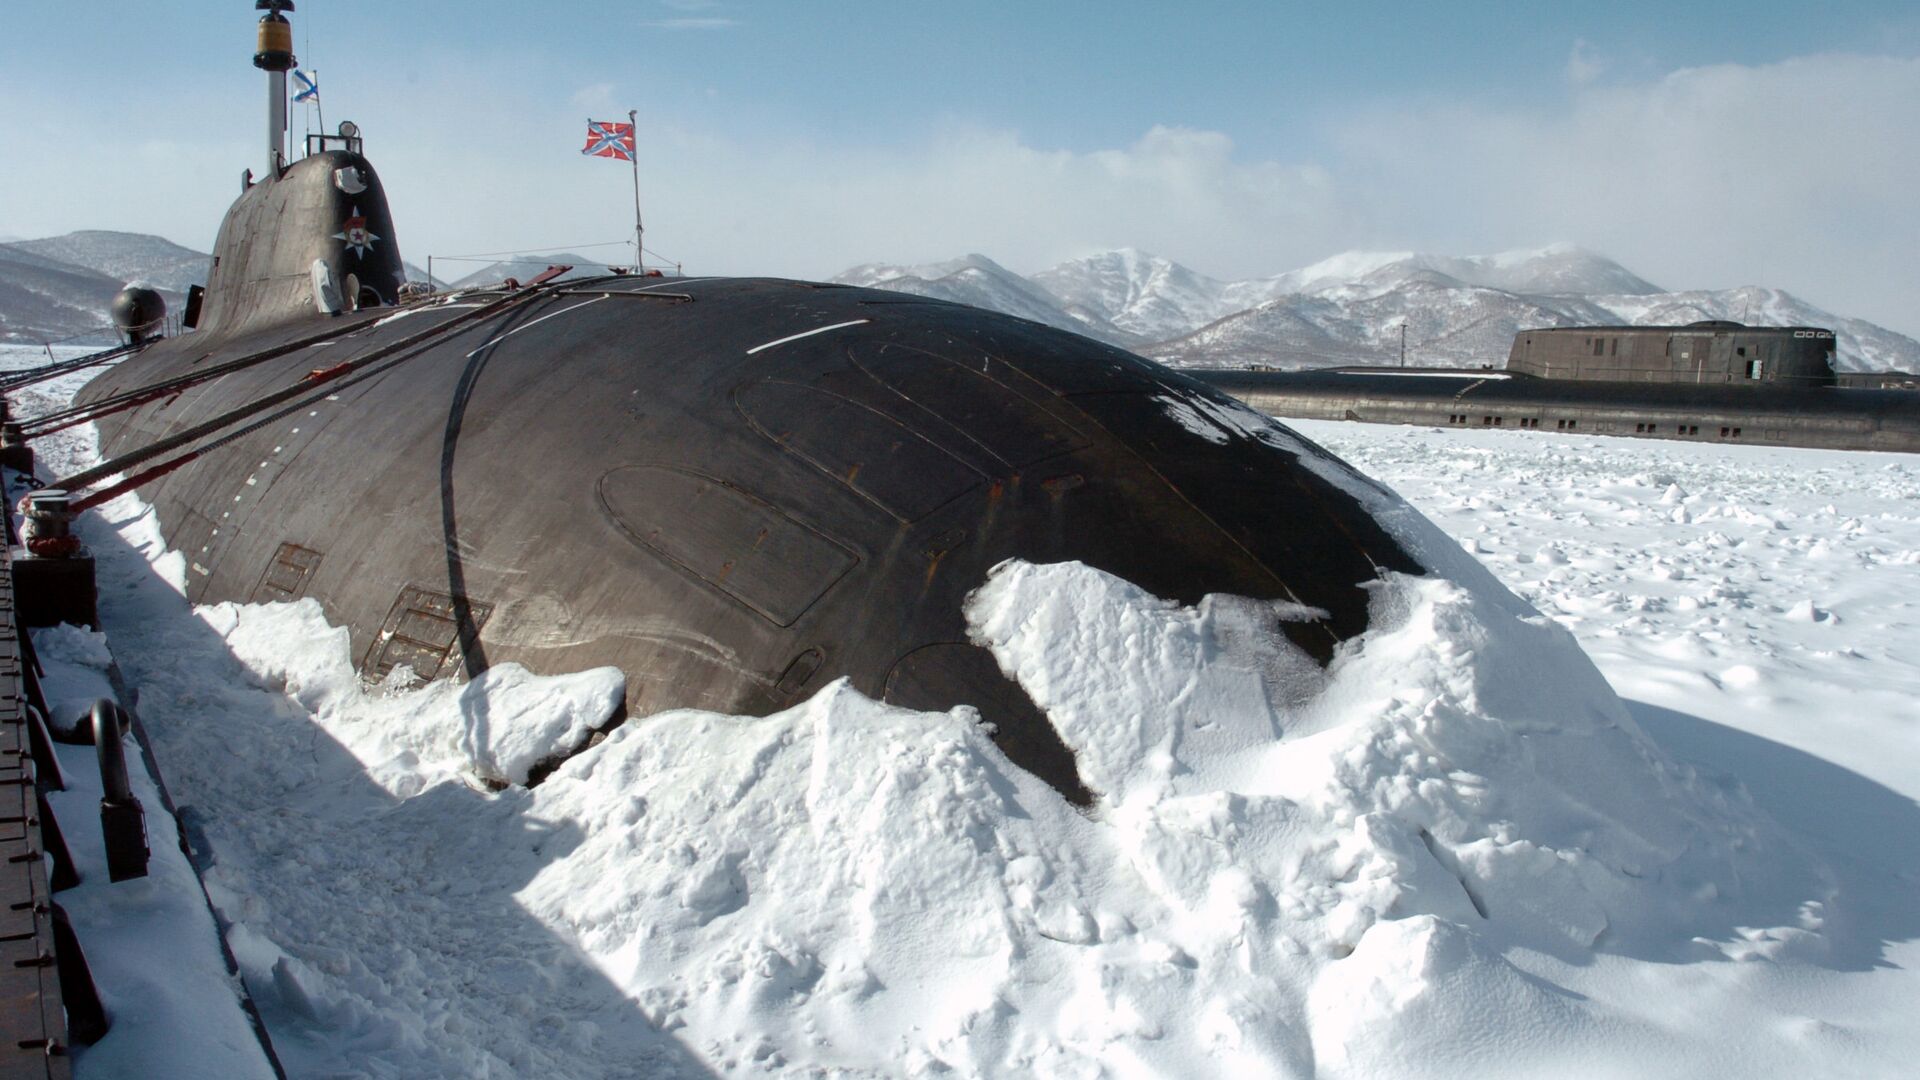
point(123, 822)
point(49, 526)
point(53, 578)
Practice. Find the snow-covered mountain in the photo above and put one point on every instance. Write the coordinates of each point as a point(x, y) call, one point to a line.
point(126, 257)
point(981, 282)
point(42, 300)
point(1349, 309)
point(1446, 324)
point(1559, 270)
point(60, 287)
point(1863, 346)
point(1464, 312)
point(1141, 294)
point(522, 269)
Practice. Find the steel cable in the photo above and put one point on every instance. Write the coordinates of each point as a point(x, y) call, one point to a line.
point(28, 376)
point(152, 450)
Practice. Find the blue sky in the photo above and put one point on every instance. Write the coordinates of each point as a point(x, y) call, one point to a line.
point(1704, 145)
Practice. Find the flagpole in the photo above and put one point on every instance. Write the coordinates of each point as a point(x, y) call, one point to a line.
point(639, 251)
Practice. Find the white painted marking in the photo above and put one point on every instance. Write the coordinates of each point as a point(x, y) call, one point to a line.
point(807, 333)
point(671, 281)
point(535, 322)
point(1463, 374)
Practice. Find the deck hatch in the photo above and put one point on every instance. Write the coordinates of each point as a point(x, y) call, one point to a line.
point(421, 631)
point(287, 574)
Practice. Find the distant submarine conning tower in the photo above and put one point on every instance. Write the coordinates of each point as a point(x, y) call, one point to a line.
point(1711, 351)
point(311, 235)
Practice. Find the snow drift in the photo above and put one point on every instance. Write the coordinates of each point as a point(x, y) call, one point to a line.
point(1289, 871)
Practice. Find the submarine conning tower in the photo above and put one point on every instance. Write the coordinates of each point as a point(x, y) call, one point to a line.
point(313, 235)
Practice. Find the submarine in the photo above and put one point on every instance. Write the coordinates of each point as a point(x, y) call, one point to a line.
point(1708, 381)
point(735, 490)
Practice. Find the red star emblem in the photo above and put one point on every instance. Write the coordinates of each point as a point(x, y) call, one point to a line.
point(355, 233)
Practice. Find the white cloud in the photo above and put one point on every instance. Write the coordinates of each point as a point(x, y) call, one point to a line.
point(1799, 174)
point(714, 23)
point(1584, 65)
point(810, 209)
point(695, 15)
point(598, 96)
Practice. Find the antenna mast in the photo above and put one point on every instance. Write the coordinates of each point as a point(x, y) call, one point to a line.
point(273, 54)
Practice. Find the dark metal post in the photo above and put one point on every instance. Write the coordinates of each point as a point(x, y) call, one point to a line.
point(87, 1018)
point(123, 822)
point(15, 454)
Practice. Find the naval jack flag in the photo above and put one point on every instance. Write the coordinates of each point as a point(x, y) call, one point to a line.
point(308, 87)
point(612, 139)
point(606, 138)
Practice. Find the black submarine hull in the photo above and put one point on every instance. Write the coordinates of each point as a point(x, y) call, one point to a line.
point(1833, 418)
point(734, 490)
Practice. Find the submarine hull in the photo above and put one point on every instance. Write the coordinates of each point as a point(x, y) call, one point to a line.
point(1836, 418)
point(735, 490)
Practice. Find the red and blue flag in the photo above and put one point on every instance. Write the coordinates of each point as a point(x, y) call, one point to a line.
point(606, 138)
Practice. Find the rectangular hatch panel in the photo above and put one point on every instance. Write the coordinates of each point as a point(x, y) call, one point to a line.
point(736, 542)
point(287, 574)
point(421, 631)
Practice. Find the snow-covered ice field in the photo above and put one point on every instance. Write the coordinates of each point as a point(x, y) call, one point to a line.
point(1455, 853)
point(1758, 611)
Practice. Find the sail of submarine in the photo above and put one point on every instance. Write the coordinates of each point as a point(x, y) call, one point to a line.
point(733, 489)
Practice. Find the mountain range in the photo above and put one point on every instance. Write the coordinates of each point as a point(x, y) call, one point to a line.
point(1349, 309)
point(59, 288)
point(1459, 311)
point(522, 269)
